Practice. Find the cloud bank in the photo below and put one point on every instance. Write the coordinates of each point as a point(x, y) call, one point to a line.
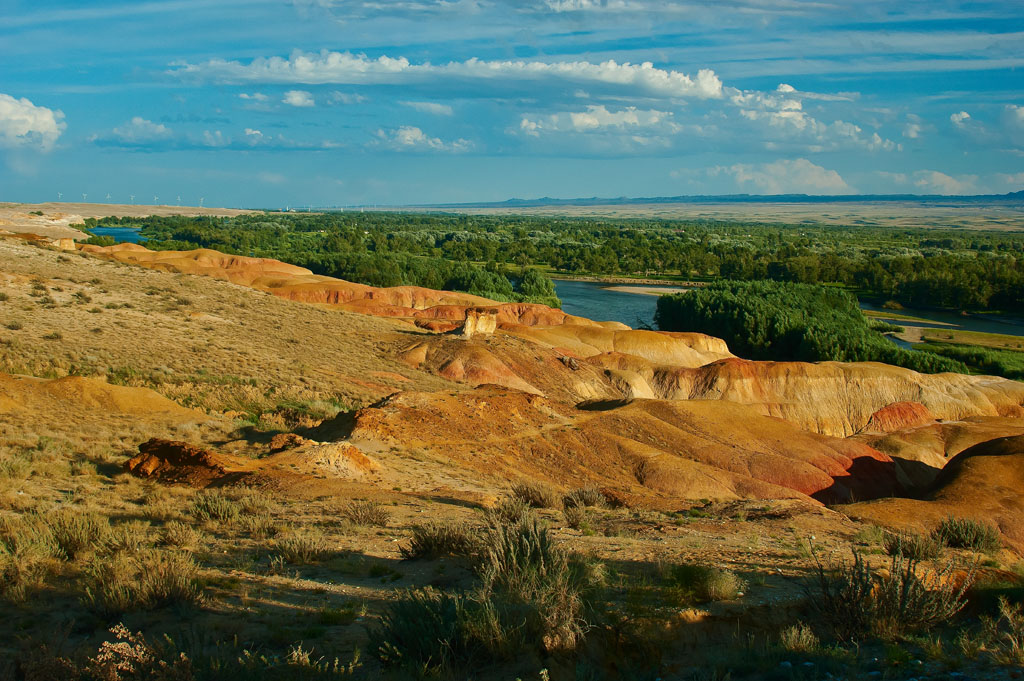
point(25, 125)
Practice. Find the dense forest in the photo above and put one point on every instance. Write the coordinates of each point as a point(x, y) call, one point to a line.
point(961, 270)
point(785, 321)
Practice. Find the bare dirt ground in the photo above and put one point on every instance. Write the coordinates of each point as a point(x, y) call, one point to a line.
point(56, 217)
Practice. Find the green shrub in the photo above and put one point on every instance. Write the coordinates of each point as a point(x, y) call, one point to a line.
point(912, 545)
point(436, 540)
point(964, 533)
point(215, 505)
point(535, 494)
point(703, 583)
point(178, 535)
point(75, 531)
point(120, 583)
point(854, 601)
point(577, 517)
point(302, 547)
point(1004, 636)
point(799, 638)
point(370, 513)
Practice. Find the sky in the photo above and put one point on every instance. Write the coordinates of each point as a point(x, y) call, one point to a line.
point(294, 103)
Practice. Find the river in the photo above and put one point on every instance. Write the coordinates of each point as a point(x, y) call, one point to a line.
point(594, 300)
point(120, 234)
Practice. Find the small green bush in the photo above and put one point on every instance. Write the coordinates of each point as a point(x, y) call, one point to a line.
point(215, 505)
point(303, 547)
point(436, 540)
point(704, 583)
point(178, 535)
point(509, 510)
point(75, 531)
point(964, 533)
point(577, 517)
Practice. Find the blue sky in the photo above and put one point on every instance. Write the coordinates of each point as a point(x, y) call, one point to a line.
point(268, 103)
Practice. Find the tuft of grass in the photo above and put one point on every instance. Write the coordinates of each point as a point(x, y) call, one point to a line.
point(535, 494)
point(1003, 636)
point(799, 638)
point(76, 531)
point(964, 533)
point(128, 537)
point(912, 545)
point(302, 547)
point(435, 540)
point(177, 534)
point(214, 505)
point(577, 517)
point(366, 513)
point(585, 497)
point(508, 510)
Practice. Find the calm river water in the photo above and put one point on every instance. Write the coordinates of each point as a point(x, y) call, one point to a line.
point(594, 301)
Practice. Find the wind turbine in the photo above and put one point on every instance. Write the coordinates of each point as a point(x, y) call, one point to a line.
point(201, 202)
point(60, 195)
point(133, 198)
point(155, 199)
point(84, 195)
point(108, 196)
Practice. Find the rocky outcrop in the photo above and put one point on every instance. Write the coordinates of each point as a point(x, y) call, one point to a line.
point(832, 398)
point(480, 322)
point(176, 462)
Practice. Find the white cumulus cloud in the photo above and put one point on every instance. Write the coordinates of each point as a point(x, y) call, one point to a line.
point(935, 182)
point(299, 98)
point(346, 67)
point(139, 130)
point(411, 138)
point(960, 118)
point(23, 124)
point(256, 96)
point(596, 117)
point(797, 176)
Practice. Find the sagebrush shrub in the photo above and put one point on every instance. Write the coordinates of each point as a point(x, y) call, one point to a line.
point(855, 601)
point(75, 531)
point(584, 496)
point(535, 494)
point(303, 547)
point(912, 545)
point(964, 533)
point(436, 540)
point(371, 513)
point(216, 506)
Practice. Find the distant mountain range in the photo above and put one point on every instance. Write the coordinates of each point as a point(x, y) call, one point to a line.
point(1011, 198)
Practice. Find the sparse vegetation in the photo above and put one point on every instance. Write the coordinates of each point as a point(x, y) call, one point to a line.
point(438, 539)
point(535, 494)
point(369, 513)
point(302, 547)
point(855, 601)
point(912, 546)
point(214, 505)
point(965, 533)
